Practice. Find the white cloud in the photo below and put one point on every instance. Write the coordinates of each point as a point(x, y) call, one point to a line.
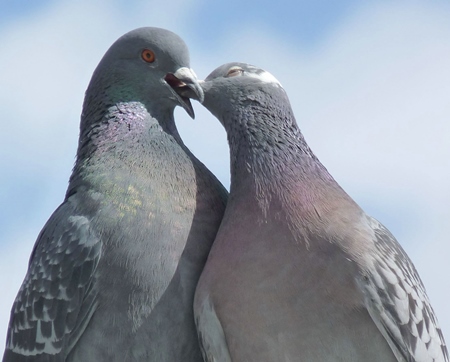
point(372, 101)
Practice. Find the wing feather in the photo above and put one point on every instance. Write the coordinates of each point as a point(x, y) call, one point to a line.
point(57, 297)
point(398, 304)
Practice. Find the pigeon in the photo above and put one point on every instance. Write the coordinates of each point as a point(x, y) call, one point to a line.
point(113, 273)
point(298, 271)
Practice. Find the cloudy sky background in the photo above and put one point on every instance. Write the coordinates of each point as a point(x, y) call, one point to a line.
point(369, 83)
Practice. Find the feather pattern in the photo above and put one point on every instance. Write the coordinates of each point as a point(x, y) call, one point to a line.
point(397, 302)
point(57, 297)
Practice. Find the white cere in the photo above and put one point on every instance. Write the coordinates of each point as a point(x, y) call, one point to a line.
point(264, 76)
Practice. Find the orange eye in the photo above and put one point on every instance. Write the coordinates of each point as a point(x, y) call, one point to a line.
point(148, 56)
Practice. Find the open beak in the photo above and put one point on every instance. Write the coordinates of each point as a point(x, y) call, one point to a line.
point(185, 85)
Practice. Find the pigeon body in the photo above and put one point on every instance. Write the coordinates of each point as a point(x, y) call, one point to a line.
point(113, 272)
point(298, 271)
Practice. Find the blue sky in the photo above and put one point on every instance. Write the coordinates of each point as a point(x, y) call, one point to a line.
point(368, 80)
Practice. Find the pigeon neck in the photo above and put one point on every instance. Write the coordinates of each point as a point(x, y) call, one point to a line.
point(118, 135)
point(122, 123)
point(265, 142)
point(269, 157)
point(121, 104)
point(274, 173)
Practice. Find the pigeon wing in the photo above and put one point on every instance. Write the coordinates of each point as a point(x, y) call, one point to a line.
point(57, 297)
point(398, 304)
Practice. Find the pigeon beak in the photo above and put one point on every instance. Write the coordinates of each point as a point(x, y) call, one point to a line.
point(185, 85)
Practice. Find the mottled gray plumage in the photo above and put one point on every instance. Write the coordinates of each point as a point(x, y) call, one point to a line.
point(113, 273)
point(298, 272)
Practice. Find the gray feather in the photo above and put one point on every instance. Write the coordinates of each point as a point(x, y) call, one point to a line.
point(397, 302)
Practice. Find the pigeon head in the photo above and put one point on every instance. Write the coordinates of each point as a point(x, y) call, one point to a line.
point(237, 94)
point(235, 85)
point(252, 106)
point(145, 65)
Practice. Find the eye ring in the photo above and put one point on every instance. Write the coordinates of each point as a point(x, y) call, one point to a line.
point(235, 71)
point(148, 56)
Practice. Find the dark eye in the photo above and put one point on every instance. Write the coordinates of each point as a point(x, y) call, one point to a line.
point(148, 56)
point(234, 71)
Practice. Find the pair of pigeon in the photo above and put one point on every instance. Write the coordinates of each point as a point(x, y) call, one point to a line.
point(146, 260)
